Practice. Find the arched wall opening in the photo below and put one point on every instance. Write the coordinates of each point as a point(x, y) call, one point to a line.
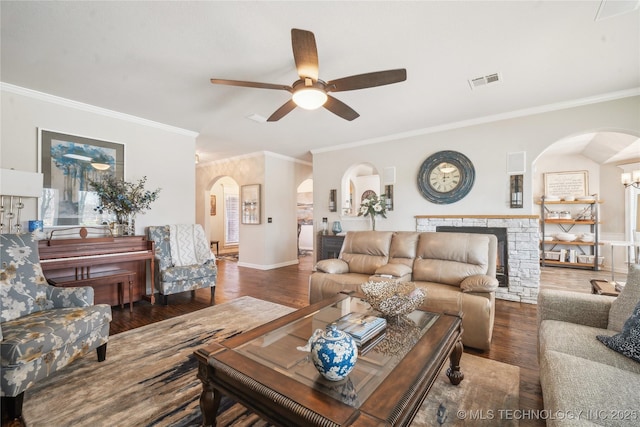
point(222, 215)
point(603, 155)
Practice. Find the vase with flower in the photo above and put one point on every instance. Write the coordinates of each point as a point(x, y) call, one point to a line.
point(371, 206)
point(124, 200)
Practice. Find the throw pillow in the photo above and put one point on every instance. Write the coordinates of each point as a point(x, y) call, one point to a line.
point(622, 307)
point(479, 283)
point(626, 342)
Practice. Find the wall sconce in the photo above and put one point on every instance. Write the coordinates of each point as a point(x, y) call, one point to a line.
point(333, 205)
point(631, 179)
point(516, 191)
point(15, 185)
point(388, 197)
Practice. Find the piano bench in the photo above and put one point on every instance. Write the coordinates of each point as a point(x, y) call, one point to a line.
point(101, 278)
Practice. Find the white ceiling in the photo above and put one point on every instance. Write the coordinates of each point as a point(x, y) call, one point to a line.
point(154, 60)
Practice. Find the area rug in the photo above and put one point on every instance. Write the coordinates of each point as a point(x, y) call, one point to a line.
point(149, 379)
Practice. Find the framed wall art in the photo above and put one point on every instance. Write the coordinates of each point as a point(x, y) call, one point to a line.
point(212, 205)
point(250, 204)
point(69, 163)
point(563, 184)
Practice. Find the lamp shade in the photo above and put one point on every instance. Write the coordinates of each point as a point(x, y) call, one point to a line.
point(20, 183)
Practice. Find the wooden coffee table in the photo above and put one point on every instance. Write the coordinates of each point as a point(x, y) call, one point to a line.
point(603, 287)
point(263, 370)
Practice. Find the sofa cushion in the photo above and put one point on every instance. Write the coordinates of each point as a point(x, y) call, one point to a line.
point(623, 306)
point(450, 257)
point(190, 272)
point(365, 251)
point(580, 341)
point(403, 247)
point(479, 283)
point(41, 332)
point(581, 392)
point(626, 342)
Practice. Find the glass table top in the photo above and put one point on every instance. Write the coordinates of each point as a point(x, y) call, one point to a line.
point(278, 350)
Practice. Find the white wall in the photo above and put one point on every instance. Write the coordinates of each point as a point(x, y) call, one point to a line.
point(146, 147)
point(265, 245)
point(486, 145)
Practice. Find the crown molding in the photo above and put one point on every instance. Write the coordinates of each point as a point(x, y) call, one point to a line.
point(612, 96)
point(41, 96)
point(251, 155)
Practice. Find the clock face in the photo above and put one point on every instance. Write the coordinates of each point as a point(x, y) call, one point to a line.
point(446, 177)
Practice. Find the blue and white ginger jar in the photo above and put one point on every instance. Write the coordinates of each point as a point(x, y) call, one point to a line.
point(334, 352)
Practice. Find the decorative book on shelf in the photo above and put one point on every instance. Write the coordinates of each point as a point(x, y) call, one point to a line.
point(362, 327)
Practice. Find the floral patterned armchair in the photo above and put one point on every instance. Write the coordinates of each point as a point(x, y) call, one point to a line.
point(42, 328)
point(184, 261)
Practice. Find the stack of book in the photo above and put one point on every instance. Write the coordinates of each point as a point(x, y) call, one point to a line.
point(362, 327)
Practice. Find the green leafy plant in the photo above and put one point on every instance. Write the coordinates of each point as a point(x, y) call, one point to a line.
point(123, 198)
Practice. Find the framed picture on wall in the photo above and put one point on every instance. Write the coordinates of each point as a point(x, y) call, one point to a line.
point(250, 204)
point(212, 203)
point(563, 184)
point(68, 164)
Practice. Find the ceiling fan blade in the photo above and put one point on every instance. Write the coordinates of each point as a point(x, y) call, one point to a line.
point(251, 84)
point(341, 109)
point(305, 53)
point(363, 81)
point(282, 111)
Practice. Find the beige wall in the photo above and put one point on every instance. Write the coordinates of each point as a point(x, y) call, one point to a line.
point(146, 144)
point(486, 145)
point(265, 245)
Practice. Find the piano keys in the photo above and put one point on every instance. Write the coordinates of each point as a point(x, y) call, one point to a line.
point(86, 255)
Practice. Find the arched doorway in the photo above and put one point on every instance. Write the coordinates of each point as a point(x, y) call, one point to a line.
point(223, 216)
point(304, 203)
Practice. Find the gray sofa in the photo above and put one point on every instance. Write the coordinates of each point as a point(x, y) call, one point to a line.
point(456, 269)
point(584, 382)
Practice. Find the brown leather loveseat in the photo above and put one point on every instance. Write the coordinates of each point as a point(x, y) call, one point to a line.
point(456, 269)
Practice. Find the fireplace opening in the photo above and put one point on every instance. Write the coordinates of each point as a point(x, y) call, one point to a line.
point(502, 259)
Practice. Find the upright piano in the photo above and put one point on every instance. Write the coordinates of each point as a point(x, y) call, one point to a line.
point(86, 255)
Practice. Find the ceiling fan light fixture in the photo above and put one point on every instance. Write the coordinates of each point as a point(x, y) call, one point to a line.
point(309, 98)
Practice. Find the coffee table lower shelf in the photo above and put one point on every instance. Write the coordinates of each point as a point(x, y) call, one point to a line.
point(285, 401)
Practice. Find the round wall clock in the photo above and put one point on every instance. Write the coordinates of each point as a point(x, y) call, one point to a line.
point(446, 177)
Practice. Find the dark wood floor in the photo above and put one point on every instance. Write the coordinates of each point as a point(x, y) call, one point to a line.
point(515, 331)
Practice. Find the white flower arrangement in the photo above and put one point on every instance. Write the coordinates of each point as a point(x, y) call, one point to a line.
point(373, 205)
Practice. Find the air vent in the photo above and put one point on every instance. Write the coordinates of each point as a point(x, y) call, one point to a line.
point(485, 80)
point(257, 118)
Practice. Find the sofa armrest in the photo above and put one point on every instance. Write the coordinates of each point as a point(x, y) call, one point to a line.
point(574, 307)
point(332, 266)
point(63, 297)
point(479, 283)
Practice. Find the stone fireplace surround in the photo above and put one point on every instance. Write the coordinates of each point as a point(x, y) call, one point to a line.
point(523, 242)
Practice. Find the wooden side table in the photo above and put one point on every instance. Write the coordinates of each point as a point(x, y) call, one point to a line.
point(603, 287)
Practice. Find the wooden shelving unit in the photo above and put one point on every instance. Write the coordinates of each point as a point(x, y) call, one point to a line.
point(588, 217)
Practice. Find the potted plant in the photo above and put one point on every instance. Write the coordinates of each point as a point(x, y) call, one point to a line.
point(124, 200)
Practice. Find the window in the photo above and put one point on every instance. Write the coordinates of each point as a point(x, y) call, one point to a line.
point(232, 219)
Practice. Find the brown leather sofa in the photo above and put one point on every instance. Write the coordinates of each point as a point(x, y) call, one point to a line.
point(456, 269)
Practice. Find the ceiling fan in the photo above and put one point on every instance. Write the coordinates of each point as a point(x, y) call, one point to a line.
point(309, 91)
